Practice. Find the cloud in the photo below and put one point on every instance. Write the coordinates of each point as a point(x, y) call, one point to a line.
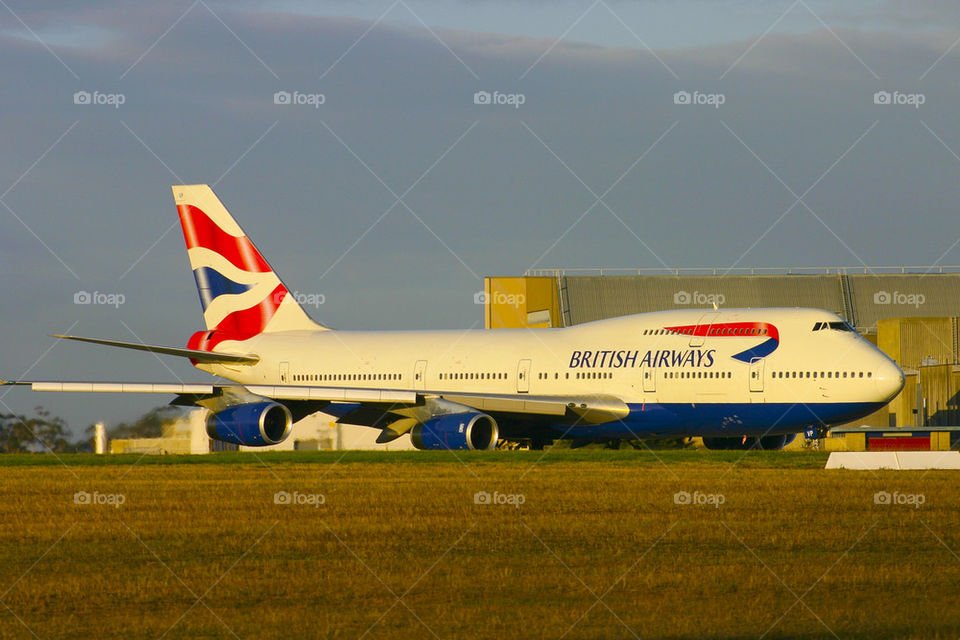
point(936, 14)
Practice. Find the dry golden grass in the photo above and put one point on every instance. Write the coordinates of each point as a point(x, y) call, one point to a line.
point(599, 549)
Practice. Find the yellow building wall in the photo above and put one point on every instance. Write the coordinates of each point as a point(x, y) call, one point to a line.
point(521, 303)
point(913, 342)
point(916, 341)
point(904, 404)
point(940, 441)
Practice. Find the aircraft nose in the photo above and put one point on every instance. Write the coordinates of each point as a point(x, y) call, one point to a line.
point(889, 379)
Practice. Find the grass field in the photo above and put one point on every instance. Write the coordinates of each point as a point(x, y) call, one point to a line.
point(394, 545)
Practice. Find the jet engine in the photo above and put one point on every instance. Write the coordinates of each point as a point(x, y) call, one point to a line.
point(256, 424)
point(456, 431)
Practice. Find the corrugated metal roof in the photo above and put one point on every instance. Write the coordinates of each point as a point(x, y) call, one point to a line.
point(595, 297)
point(904, 296)
point(870, 297)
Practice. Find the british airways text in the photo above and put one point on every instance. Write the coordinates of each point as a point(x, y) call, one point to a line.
point(624, 358)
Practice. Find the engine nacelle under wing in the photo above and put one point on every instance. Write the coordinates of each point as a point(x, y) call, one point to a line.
point(255, 424)
point(456, 431)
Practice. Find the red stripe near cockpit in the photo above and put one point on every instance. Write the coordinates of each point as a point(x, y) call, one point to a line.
point(728, 329)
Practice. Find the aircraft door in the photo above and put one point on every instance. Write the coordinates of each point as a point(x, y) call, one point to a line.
point(420, 375)
point(284, 372)
point(756, 374)
point(523, 376)
point(649, 379)
point(703, 326)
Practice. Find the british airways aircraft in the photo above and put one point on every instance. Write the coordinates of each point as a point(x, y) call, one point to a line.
point(740, 378)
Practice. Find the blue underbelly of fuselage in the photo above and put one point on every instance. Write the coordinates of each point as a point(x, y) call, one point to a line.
point(722, 419)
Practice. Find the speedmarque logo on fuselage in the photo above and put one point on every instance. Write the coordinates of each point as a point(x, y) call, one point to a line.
point(737, 330)
point(676, 358)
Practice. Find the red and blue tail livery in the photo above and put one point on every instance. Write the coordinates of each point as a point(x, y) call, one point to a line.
point(240, 293)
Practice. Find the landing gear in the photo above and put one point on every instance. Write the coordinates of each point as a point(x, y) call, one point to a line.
point(819, 433)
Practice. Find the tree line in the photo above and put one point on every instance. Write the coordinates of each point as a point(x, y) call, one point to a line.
point(46, 433)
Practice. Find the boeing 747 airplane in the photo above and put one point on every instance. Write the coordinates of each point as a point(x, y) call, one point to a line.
point(737, 377)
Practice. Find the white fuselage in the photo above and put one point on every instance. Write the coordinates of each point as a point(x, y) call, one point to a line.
point(726, 371)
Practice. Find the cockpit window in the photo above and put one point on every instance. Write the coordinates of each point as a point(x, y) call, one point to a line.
point(836, 326)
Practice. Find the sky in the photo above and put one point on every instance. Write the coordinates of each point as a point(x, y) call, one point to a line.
point(617, 134)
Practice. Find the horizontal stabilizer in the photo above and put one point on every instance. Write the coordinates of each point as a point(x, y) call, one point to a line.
point(196, 355)
point(114, 387)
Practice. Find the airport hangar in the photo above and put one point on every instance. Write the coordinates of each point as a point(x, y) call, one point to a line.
point(911, 313)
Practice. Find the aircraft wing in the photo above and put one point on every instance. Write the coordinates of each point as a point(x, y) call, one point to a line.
point(402, 409)
point(593, 409)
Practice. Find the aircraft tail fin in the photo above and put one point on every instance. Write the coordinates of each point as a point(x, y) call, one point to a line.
point(240, 293)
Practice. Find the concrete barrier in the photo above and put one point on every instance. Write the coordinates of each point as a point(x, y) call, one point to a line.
point(894, 460)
